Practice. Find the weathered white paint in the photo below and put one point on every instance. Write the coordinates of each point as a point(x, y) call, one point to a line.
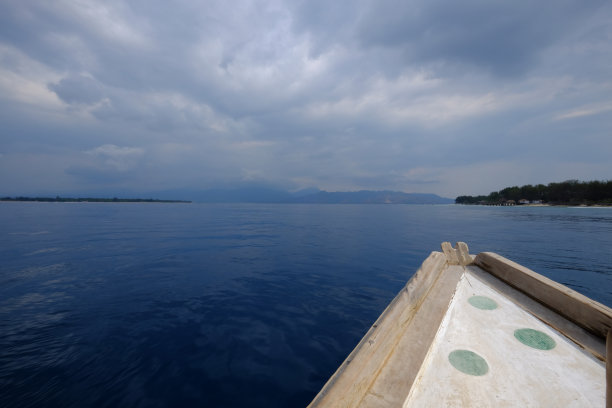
point(519, 376)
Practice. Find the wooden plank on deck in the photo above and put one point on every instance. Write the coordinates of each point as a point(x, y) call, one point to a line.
point(586, 313)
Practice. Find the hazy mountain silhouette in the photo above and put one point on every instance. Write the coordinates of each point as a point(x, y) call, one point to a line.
point(263, 194)
point(373, 197)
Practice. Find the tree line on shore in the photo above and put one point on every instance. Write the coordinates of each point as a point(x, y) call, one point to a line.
point(59, 199)
point(570, 192)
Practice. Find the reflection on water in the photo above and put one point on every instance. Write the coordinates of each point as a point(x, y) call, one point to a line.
point(235, 305)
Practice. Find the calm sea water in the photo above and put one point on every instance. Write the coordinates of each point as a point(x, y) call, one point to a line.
point(164, 305)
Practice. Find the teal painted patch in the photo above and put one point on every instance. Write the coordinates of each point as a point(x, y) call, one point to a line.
point(482, 302)
point(535, 338)
point(468, 362)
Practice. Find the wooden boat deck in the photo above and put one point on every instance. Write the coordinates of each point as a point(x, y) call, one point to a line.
point(480, 332)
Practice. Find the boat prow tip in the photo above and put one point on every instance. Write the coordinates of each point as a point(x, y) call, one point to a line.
point(460, 255)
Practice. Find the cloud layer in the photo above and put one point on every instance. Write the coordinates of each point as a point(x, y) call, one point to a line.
point(419, 96)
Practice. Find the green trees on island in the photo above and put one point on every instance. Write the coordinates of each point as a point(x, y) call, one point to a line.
point(570, 192)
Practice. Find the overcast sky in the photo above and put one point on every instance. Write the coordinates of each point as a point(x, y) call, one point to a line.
point(447, 97)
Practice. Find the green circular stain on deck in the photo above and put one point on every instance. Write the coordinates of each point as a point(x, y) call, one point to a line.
point(535, 338)
point(468, 362)
point(482, 302)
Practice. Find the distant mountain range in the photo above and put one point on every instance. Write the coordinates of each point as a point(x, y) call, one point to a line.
point(252, 194)
point(372, 197)
point(260, 194)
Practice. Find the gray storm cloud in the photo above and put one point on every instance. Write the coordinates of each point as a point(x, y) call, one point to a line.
point(77, 89)
point(423, 96)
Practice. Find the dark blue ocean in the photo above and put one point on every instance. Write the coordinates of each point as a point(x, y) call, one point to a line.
point(168, 305)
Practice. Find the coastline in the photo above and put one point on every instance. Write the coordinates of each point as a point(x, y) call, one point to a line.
point(87, 200)
point(544, 205)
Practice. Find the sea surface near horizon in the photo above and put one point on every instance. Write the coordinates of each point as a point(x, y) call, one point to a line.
point(164, 305)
